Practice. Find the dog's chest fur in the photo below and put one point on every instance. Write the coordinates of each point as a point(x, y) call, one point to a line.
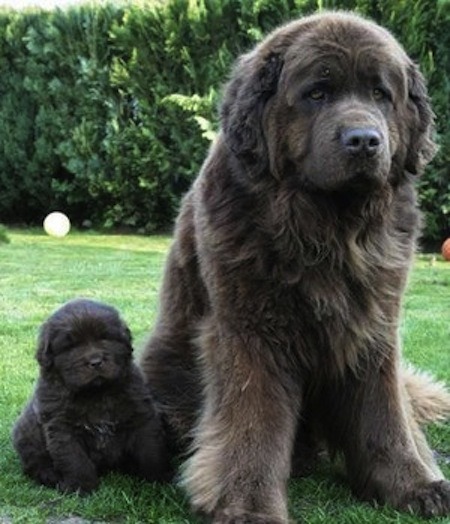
point(100, 422)
point(319, 287)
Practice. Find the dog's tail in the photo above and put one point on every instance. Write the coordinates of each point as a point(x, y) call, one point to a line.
point(430, 399)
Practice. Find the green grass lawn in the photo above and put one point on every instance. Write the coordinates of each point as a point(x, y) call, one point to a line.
point(39, 273)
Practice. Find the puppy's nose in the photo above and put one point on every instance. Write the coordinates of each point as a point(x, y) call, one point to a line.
point(361, 141)
point(96, 361)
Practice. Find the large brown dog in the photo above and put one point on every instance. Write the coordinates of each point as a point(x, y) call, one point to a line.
point(282, 293)
point(91, 411)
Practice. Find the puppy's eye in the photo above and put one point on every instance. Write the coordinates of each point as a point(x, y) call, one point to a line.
point(317, 94)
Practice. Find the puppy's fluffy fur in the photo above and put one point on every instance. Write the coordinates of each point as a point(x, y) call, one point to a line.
point(91, 411)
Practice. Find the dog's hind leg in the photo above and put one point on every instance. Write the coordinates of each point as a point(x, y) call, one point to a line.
point(169, 360)
point(29, 442)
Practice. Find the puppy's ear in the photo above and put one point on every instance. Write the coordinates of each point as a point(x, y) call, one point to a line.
point(126, 335)
point(253, 83)
point(421, 148)
point(44, 354)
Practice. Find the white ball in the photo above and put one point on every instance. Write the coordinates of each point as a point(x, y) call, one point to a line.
point(56, 224)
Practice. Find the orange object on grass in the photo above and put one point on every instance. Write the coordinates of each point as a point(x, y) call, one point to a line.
point(446, 249)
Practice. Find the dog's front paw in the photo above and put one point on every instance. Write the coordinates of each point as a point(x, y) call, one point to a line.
point(430, 500)
point(80, 485)
point(48, 477)
point(238, 517)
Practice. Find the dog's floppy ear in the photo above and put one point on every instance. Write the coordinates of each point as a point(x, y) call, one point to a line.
point(126, 335)
point(44, 354)
point(253, 83)
point(421, 148)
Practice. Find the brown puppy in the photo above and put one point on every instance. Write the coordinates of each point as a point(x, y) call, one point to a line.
point(282, 293)
point(91, 411)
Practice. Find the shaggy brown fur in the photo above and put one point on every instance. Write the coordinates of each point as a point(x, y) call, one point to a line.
point(282, 294)
point(91, 411)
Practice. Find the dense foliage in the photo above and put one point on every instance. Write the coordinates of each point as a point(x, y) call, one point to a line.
point(106, 111)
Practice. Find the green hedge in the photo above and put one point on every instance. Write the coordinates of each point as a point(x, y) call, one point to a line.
point(106, 112)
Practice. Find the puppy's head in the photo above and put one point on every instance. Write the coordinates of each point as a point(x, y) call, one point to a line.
point(85, 344)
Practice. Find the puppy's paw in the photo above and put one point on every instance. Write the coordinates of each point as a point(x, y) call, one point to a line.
point(232, 517)
point(81, 485)
point(48, 477)
point(430, 500)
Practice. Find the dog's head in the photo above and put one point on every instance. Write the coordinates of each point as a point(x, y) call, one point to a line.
point(331, 100)
point(85, 344)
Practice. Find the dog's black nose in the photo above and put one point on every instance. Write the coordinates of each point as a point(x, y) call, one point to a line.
point(361, 141)
point(96, 361)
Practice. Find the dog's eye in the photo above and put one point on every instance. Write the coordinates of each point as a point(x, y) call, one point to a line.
point(317, 94)
point(380, 94)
